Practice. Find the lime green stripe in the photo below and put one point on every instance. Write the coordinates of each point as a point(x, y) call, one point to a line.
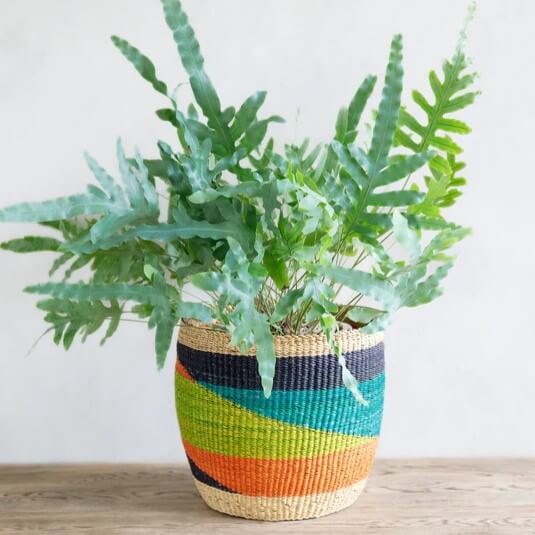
point(215, 424)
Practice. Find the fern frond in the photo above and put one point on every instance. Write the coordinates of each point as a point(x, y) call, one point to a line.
point(449, 96)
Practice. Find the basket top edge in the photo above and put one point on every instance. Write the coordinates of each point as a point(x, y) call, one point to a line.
point(204, 337)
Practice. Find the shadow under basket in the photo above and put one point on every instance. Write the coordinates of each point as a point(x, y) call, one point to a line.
point(303, 453)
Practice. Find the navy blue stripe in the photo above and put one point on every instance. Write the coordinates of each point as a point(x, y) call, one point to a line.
point(203, 477)
point(291, 373)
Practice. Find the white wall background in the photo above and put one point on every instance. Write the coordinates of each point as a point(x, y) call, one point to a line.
point(461, 372)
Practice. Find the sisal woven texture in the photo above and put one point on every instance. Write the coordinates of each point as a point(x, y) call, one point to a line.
point(304, 452)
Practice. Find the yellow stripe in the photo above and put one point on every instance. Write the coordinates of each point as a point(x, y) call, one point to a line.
point(215, 424)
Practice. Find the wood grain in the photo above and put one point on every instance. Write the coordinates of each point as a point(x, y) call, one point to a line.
point(437, 497)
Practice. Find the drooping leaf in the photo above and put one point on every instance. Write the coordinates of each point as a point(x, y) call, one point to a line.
point(363, 315)
point(265, 352)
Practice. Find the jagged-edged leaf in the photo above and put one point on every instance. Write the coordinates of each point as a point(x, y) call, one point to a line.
point(265, 159)
point(141, 63)
point(105, 180)
point(193, 62)
point(428, 289)
point(59, 262)
point(115, 319)
point(184, 227)
point(69, 318)
point(403, 166)
point(444, 240)
point(448, 97)
point(97, 292)
point(350, 164)
point(246, 115)
point(256, 133)
point(138, 205)
point(31, 244)
point(79, 263)
point(387, 114)
point(61, 208)
point(365, 283)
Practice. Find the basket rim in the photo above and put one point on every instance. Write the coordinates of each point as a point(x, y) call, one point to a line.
point(204, 337)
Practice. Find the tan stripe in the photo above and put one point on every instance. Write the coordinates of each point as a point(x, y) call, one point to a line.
point(203, 338)
point(285, 508)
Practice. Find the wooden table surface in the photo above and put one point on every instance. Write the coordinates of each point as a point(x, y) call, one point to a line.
point(431, 497)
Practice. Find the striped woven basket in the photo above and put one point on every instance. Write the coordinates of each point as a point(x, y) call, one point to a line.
point(304, 452)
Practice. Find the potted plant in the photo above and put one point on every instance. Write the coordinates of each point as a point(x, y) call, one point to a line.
point(280, 370)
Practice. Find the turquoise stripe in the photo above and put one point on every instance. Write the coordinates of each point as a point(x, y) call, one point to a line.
point(333, 410)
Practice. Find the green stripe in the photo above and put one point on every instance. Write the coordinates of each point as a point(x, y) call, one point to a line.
point(331, 410)
point(215, 424)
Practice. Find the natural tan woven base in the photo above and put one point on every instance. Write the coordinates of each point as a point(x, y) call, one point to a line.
point(274, 509)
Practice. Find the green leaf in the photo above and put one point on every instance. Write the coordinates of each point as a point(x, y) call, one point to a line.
point(141, 294)
point(377, 289)
point(115, 319)
point(357, 105)
point(59, 262)
point(256, 133)
point(31, 244)
point(330, 328)
point(363, 315)
point(193, 62)
point(185, 227)
point(395, 198)
point(350, 164)
point(141, 63)
point(246, 115)
point(387, 115)
point(429, 289)
point(69, 318)
point(406, 236)
point(61, 208)
point(248, 189)
point(265, 352)
point(287, 304)
point(164, 337)
point(403, 166)
point(276, 267)
point(448, 99)
point(196, 311)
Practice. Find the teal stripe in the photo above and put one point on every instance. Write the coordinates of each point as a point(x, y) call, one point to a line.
point(333, 410)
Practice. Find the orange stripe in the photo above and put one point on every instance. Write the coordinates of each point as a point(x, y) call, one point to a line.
point(182, 370)
point(287, 477)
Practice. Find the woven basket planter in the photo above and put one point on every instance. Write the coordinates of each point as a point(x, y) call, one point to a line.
point(304, 452)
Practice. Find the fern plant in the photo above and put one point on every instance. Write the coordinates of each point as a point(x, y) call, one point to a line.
point(254, 241)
